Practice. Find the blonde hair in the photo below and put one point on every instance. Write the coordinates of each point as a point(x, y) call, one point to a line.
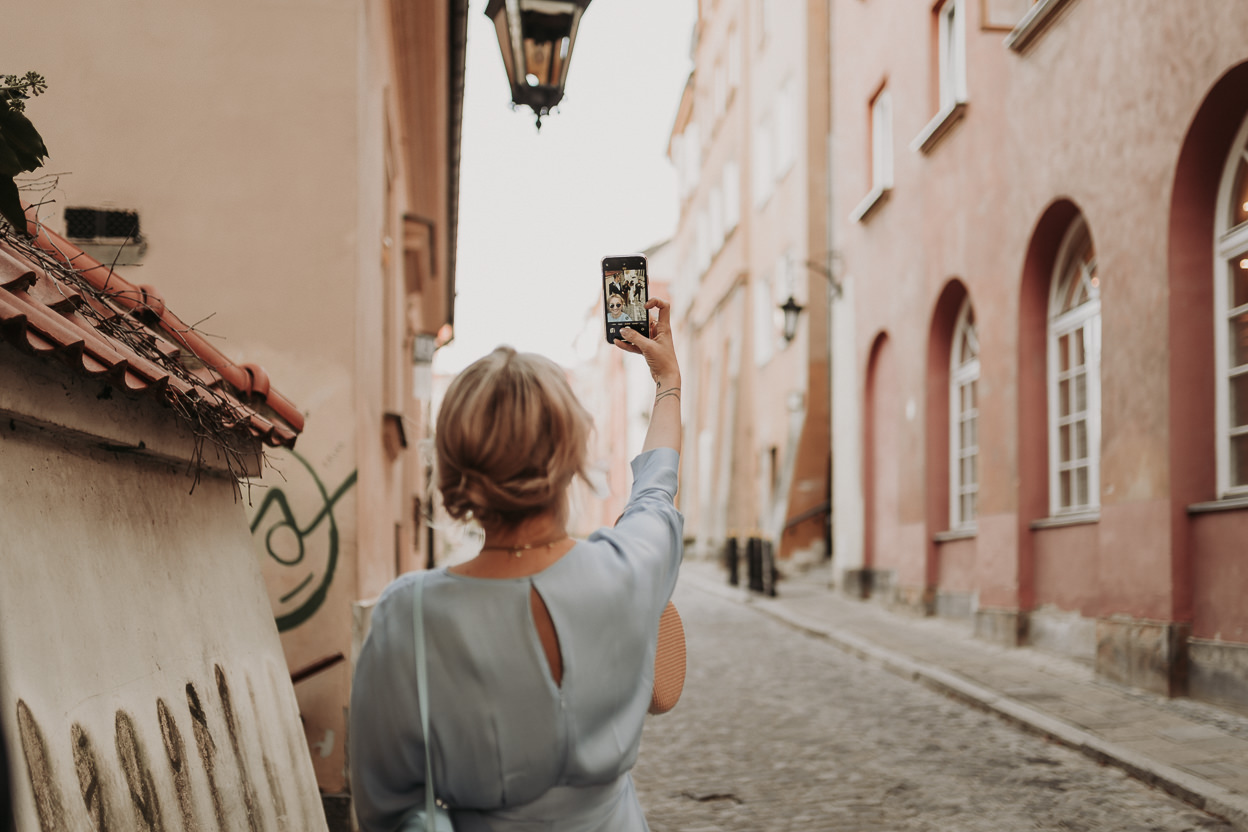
point(510, 437)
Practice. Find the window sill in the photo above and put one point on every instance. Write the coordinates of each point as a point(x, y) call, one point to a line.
point(1081, 519)
point(875, 198)
point(965, 533)
point(938, 127)
point(1236, 503)
point(1037, 19)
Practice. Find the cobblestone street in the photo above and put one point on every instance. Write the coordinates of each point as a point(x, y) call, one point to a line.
point(778, 730)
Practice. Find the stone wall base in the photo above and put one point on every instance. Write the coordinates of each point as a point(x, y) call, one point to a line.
point(1007, 627)
point(1063, 632)
point(1217, 672)
point(1151, 655)
point(857, 583)
point(955, 604)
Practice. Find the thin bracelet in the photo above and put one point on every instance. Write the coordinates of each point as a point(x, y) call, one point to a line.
point(671, 391)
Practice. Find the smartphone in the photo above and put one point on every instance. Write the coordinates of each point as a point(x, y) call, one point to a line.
point(625, 290)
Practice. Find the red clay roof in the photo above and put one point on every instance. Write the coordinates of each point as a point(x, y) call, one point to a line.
point(107, 327)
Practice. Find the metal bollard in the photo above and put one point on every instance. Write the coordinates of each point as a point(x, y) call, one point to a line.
point(768, 569)
point(733, 559)
point(754, 558)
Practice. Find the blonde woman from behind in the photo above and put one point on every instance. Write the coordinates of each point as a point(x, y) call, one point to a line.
point(541, 649)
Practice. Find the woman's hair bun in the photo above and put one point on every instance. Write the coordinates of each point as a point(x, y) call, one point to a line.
point(510, 437)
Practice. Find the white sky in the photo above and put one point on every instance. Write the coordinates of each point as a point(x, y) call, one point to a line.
point(537, 212)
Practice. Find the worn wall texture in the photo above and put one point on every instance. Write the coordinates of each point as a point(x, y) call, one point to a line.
point(142, 683)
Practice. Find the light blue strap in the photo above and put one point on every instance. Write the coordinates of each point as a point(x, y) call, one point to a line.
point(422, 692)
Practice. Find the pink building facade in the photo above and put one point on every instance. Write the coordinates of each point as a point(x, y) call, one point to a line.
point(1041, 352)
point(750, 149)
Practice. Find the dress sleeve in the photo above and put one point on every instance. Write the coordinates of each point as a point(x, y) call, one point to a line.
point(650, 532)
point(386, 748)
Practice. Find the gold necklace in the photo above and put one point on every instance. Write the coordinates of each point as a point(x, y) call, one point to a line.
point(517, 551)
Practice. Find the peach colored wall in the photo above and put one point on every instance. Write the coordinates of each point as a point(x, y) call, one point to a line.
point(746, 408)
point(1066, 568)
point(1220, 573)
point(957, 566)
point(281, 228)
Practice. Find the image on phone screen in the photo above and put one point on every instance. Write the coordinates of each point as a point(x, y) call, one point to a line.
point(624, 294)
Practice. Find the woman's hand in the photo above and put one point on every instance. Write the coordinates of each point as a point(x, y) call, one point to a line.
point(658, 349)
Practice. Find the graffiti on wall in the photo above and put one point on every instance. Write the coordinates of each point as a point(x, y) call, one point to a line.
point(123, 792)
point(311, 548)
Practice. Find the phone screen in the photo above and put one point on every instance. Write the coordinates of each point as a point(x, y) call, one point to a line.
point(625, 290)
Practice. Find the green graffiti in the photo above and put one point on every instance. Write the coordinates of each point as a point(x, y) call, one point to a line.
point(277, 497)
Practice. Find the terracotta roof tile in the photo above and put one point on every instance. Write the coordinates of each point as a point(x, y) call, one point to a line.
point(55, 300)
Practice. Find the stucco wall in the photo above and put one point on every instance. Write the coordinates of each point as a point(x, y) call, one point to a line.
point(1087, 114)
point(142, 682)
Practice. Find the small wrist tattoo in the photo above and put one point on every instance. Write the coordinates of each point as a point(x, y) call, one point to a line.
point(663, 394)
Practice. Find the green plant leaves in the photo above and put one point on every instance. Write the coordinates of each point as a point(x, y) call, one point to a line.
point(21, 147)
point(11, 205)
point(22, 138)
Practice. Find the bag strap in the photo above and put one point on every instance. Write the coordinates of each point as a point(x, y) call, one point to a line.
point(422, 692)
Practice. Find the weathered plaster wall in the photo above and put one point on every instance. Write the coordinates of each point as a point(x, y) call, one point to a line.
point(142, 683)
point(1086, 119)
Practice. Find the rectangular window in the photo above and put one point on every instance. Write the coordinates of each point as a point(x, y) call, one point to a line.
point(882, 140)
point(1075, 349)
point(765, 18)
point(732, 195)
point(760, 166)
point(691, 156)
point(716, 203)
point(785, 116)
point(703, 237)
point(734, 59)
point(764, 322)
point(720, 90)
point(1237, 370)
point(951, 53)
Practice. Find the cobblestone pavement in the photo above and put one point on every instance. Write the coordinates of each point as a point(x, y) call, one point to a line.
point(781, 731)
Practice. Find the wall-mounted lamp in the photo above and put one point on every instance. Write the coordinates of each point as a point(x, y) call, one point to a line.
point(791, 309)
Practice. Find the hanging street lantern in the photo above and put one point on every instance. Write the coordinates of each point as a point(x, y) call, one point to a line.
point(536, 38)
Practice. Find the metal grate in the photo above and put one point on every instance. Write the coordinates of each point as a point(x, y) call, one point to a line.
point(93, 223)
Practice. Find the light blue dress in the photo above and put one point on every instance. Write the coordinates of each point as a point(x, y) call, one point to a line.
point(512, 750)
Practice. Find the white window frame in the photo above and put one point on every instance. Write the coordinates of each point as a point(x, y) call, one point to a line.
point(1229, 242)
point(960, 377)
point(1085, 318)
point(951, 57)
point(882, 140)
point(764, 321)
point(715, 205)
point(719, 93)
point(732, 195)
point(761, 161)
point(784, 119)
point(734, 58)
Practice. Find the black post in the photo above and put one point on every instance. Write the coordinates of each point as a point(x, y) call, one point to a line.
point(768, 569)
point(754, 557)
point(733, 558)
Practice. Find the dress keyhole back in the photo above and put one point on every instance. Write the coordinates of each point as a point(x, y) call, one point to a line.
point(547, 635)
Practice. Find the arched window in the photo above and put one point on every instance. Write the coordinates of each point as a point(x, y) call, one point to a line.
point(964, 421)
point(1074, 364)
point(1230, 295)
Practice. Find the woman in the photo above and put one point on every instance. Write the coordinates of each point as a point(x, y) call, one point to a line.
point(541, 648)
point(615, 309)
